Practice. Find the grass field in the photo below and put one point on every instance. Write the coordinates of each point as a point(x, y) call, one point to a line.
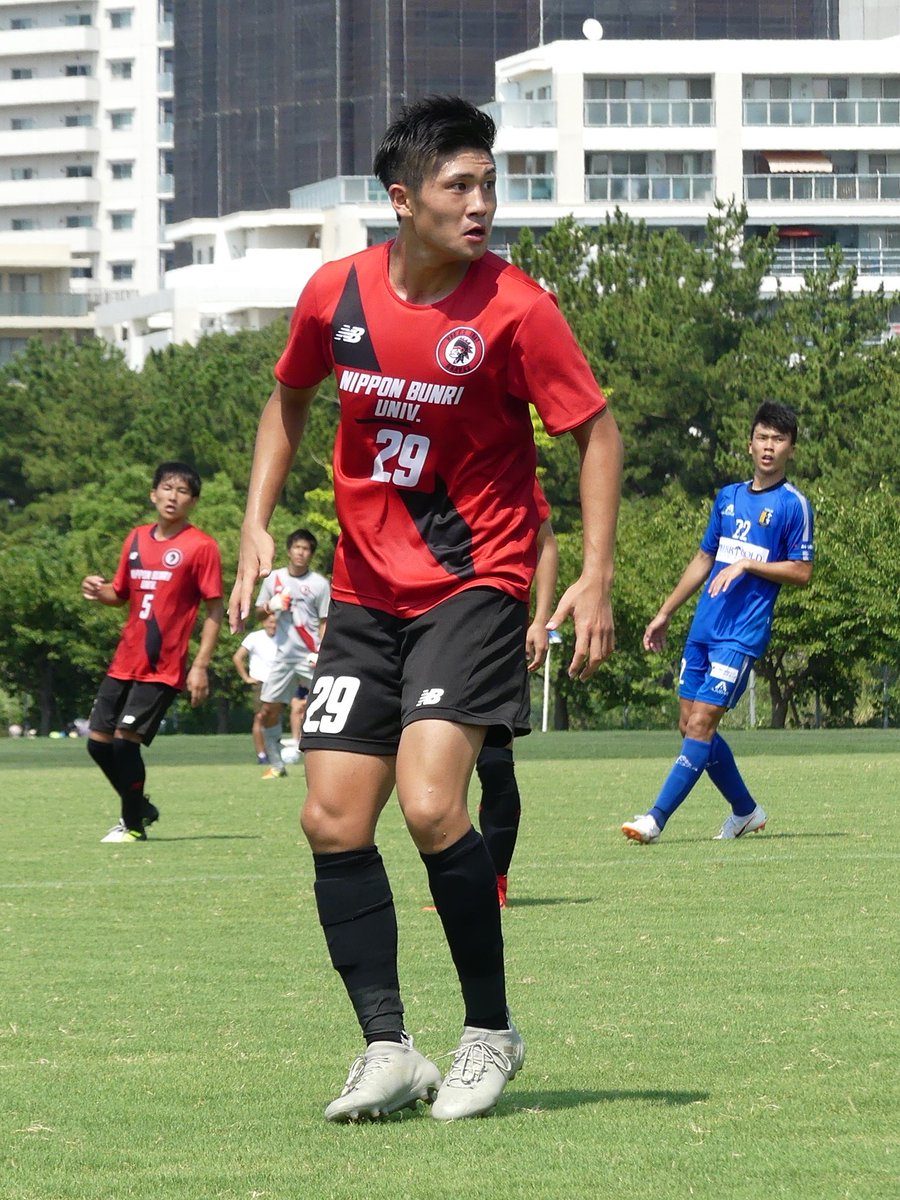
point(703, 1019)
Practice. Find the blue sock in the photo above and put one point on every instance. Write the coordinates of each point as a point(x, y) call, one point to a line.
point(723, 771)
point(688, 768)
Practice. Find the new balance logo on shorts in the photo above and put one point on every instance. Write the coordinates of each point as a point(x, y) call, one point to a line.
point(350, 333)
point(430, 696)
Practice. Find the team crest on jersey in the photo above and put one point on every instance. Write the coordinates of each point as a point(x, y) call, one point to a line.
point(765, 517)
point(461, 351)
point(172, 558)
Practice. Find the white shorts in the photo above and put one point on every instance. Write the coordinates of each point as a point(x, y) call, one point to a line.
point(284, 675)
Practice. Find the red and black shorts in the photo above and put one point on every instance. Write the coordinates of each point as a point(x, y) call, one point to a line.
point(462, 661)
point(132, 706)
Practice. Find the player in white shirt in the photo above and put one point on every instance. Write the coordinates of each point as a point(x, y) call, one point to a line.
point(253, 660)
point(299, 598)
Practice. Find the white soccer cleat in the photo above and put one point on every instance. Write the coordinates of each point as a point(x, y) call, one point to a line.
point(483, 1064)
point(388, 1077)
point(642, 829)
point(122, 834)
point(736, 826)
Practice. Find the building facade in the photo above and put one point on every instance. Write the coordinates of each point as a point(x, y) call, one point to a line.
point(86, 149)
point(272, 94)
point(806, 134)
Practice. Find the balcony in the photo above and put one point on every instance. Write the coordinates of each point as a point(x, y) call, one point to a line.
point(42, 304)
point(842, 188)
point(30, 93)
point(165, 133)
point(49, 39)
point(30, 142)
point(822, 112)
point(629, 189)
point(165, 83)
point(343, 189)
point(165, 33)
point(523, 114)
point(165, 185)
point(25, 193)
point(790, 261)
point(519, 189)
point(642, 113)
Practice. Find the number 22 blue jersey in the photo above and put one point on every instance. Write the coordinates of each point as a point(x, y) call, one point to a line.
point(773, 525)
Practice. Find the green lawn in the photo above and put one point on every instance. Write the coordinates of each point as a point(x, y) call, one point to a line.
point(703, 1019)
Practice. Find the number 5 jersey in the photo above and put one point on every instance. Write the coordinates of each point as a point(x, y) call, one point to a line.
point(164, 582)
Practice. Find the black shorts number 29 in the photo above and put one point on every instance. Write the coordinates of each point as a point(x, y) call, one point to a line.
point(330, 703)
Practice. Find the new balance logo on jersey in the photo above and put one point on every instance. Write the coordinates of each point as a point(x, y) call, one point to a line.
point(430, 696)
point(350, 333)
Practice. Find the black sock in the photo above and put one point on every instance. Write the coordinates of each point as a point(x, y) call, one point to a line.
point(500, 807)
point(130, 776)
point(102, 754)
point(464, 886)
point(356, 910)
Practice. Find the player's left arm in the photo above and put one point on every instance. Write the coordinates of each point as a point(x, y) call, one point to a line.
point(545, 576)
point(198, 675)
point(797, 573)
point(588, 600)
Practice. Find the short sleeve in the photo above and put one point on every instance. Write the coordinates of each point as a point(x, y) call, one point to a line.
point(548, 369)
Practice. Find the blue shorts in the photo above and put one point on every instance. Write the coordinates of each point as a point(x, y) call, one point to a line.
point(714, 673)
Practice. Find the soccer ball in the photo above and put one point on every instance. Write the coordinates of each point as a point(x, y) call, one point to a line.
point(289, 755)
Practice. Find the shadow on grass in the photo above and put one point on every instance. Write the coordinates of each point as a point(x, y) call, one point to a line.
point(536, 901)
point(749, 840)
point(545, 1101)
point(208, 837)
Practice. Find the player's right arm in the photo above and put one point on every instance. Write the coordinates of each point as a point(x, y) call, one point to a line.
point(278, 435)
point(95, 587)
point(694, 576)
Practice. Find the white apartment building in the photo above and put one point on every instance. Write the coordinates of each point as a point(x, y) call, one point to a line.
point(807, 134)
point(86, 140)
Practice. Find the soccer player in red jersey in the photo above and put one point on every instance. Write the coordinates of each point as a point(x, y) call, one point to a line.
point(438, 348)
point(165, 570)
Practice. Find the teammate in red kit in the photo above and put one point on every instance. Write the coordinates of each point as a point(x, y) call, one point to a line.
point(165, 570)
point(438, 347)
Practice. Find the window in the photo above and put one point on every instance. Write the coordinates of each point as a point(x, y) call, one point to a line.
point(122, 170)
point(22, 23)
point(121, 68)
point(79, 222)
point(77, 19)
point(832, 88)
point(81, 273)
point(78, 119)
point(77, 69)
point(21, 123)
point(22, 73)
point(19, 224)
point(21, 173)
point(21, 284)
point(122, 220)
point(122, 118)
point(120, 18)
point(122, 270)
point(616, 164)
point(79, 172)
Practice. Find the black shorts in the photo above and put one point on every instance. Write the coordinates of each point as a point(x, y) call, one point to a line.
point(132, 706)
point(462, 661)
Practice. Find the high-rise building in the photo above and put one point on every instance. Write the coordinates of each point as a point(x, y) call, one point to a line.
point(272, 94)
point(86, 148)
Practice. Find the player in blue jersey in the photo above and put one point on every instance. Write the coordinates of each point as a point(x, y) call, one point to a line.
point(759, 536)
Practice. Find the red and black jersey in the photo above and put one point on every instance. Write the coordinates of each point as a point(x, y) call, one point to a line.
point(434, 458)
point(164, 582)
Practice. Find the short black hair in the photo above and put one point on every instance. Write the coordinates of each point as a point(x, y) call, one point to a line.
point(776, 416)
point(426, 131)
point(178, 470)
point(302, 535)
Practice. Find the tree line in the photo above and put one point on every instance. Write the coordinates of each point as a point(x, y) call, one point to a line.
point(685, 346)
